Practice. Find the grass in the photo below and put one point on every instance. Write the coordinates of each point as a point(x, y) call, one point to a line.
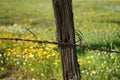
point(97, 20)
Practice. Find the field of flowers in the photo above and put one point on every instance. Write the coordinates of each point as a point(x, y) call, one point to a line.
point(98, 20)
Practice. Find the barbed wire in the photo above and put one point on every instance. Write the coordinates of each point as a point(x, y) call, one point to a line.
point(61, 43)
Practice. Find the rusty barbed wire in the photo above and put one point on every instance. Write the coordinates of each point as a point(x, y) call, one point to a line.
point(61, 43)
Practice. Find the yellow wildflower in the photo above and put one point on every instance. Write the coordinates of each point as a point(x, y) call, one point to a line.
point(47, 48)
point(33, 79)
point(29, 64)
point(93, 72)
point(106, 30)
point(80, 60)
point(42, 74)
point(19, 78)
point(48, 56)
point(53, 54)
point(112, 57)
point(45, 53)
point(89, 62)
point(88, 57)
point(55, 63)
point(32, 69)
point(8, 54)
point(2, 69)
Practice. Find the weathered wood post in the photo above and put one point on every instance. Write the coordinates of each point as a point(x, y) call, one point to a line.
point(65, 33)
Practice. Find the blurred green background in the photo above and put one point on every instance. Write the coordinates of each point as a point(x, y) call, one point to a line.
point(98, 20)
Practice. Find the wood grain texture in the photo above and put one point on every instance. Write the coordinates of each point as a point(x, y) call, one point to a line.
point(65, 32)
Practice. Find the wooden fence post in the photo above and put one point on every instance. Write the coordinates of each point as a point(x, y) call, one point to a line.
point(65, 33)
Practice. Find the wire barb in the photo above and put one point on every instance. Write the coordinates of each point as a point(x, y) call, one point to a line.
point(79, 36)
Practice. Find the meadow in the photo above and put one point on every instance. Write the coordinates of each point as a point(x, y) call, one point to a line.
point(98, 20)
